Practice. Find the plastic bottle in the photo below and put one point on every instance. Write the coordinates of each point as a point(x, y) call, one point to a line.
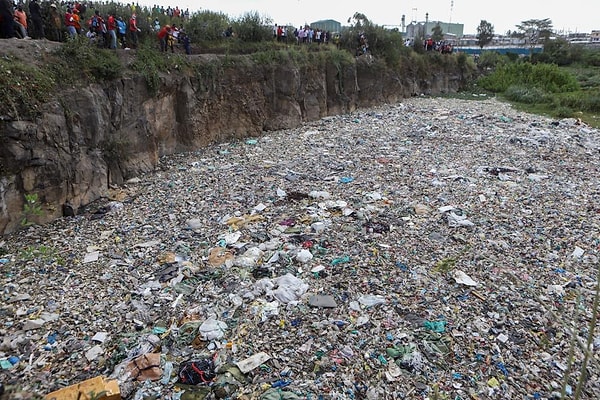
point(168, 370)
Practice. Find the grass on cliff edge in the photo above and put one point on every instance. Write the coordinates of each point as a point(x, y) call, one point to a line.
point(23, 89)
point(80, 60)
point(26, 84)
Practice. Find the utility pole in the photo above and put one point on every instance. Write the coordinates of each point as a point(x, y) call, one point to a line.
point(450, 21)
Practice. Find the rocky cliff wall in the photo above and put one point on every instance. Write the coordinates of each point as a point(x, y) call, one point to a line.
point(92, 137)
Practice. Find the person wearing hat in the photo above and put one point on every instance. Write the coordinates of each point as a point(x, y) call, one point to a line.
point(55, 24)
point(35, 12)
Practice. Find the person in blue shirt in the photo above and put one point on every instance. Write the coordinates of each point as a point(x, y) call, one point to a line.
point(122, 32)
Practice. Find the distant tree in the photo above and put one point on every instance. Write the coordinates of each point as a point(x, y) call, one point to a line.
point(383, 43)
point(515, 34)
point(207, 25)
point(437, 34)
point(485, 33)
point(560, 52)
point(252, 27)
point(556, 52)
point(534, 31)
point(418, 42)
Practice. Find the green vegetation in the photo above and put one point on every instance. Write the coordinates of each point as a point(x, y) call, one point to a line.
point(547, 77)
point(207, 27)
point(115, 150)
point(97, 396)
point(445, 265)
point(208, 74)
point(485, 33)
point(534, 30)
point(383, 43)
point(251, 27)
point(80, 60)
point(31, 209)
point(491, 59)
point(41, 253)
point(437, 34)
point(527, 94)
point(562, 82)
point(150, 63)
point(23, 88)
point(587, 76)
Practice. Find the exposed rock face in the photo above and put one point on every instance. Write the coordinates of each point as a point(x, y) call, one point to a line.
point(87, 139)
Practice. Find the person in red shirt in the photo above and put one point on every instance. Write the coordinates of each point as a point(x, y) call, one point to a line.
point(21, 20)
point(133, 30)
point(111, 27)
point(163, 36)
point(81, 9)
point(70, 23)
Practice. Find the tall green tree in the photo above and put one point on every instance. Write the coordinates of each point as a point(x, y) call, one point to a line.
point(383, 43)
point(485, 33)
point(534, 31)
point(207, 25)
point(437, 34)
point(253, 27)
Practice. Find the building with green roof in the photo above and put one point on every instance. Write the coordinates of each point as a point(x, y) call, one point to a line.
point(327, 25)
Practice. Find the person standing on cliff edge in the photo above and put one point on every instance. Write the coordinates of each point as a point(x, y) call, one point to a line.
point(133, 31)
point(7, 25)
point(70, 23)
point(111, 28)
point(35, 12)
point(55, 24)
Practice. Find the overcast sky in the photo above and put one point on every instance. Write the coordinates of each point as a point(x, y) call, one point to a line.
point(568, 15)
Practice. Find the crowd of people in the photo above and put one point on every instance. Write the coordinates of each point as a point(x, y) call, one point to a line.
point(169, 35)
point(171, 12)
point(14, 21)
point(303, 34)
point(109, 30)
point(59, 21)
point(441, 46)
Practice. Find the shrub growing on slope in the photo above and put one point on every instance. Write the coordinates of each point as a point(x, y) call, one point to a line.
point(547, 77)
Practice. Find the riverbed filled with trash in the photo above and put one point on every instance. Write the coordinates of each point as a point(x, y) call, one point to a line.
point(434, 248)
